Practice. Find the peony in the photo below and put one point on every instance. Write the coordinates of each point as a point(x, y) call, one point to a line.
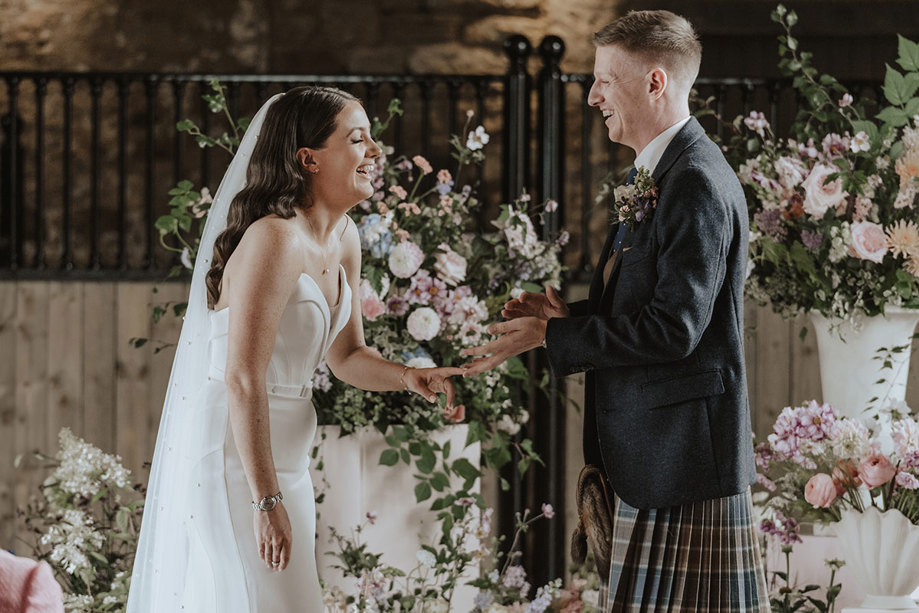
point(791, 171)
point(457, 415)
point(868, 241)
point(876, 471)
point(820, 490)
point(820, 195)
point(423, 324)
point(450, 265)
point(405, 259)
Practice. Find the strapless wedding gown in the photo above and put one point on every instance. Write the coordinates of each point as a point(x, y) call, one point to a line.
point(226, 573)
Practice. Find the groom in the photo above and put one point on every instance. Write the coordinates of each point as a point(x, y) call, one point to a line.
point(661, 341)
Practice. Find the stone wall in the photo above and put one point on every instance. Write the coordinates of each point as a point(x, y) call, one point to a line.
point(289, 36)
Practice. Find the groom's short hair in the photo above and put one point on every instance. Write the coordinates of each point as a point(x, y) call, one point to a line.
point(662, 37)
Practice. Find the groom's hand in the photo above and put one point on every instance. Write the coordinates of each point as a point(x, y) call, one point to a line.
point(543, 306)
point(516, 336)
point(428, 382)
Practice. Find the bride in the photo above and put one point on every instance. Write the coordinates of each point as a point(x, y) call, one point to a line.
point(229, 520)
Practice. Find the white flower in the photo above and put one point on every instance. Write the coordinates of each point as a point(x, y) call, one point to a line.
point(423, 324)
point(421, 362)
point(405, 259)
point(478, 138)
point(790, 170)
point(861, 142)
point(426, 557)
point(846, 100)
point(450, 265)
point(507, 424)
point(185, 258)
point(820, 196)
point(551, 206)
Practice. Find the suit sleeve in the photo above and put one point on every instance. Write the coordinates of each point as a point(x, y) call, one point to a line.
point(577, 309)
point(694, 233)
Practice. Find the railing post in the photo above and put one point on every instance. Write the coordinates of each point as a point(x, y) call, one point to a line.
point(11, 177)
point(517, 89)
point(551, 128)
point(548, 420)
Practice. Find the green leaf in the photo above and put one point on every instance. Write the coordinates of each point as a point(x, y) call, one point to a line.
point(898, 89)
point(868, 127)
point(443, 502)
point(893, 116)
point(909, 54)
point(166, 224)
point(439, 481)
point(389, 457)
point(186, 125)
point(427, 461)
point(406, 457)
point(446, 450)
point(422, 491)
point(465, 469)
point(912, 107)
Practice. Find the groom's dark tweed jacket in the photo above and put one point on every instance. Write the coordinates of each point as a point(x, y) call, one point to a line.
point(666, 410)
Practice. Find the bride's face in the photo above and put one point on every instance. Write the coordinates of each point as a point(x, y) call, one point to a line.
point(343, 167)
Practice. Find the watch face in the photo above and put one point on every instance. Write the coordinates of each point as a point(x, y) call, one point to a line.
point(268, 503)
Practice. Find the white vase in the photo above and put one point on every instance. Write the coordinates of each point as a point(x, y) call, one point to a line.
point(848, 372)
point(358, 484)
point(882, 551)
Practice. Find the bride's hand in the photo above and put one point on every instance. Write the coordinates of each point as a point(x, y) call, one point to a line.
point(542, 306)
point(273, 536)
point(432, 381)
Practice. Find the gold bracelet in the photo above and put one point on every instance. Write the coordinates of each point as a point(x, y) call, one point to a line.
point(402, 377)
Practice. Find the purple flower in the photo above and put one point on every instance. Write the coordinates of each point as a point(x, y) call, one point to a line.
point(770, 222)
point(812, 240)
point(547, 510)
point(785, 528)
point(397, 305)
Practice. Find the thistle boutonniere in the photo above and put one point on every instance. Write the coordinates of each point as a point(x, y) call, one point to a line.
point(636, 202)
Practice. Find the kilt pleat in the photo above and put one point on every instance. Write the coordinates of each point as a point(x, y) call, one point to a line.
point(701, 556)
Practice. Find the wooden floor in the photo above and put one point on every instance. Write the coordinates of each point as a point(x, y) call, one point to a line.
point(66, 360)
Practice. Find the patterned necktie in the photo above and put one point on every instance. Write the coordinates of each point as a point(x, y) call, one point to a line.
point(620, 236)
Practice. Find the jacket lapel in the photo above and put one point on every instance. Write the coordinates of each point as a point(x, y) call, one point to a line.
point(596, 283)
point(688, 134)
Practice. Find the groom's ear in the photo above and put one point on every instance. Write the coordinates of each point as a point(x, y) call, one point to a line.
point(306, 160)
point(657, 82)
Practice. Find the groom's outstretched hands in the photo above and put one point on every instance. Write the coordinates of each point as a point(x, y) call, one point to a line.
point(525, 329)
point(428, 382)
point(543, 306)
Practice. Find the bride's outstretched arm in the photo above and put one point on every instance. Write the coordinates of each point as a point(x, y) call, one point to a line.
point(352, 361)
point(265, 269)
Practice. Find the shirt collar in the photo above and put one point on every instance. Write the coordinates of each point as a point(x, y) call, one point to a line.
point(652, 153)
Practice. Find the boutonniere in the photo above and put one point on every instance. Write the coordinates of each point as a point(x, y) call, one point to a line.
point(635, 202)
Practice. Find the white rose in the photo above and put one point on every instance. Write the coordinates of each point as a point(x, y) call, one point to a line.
point(450, 265)
point(868, 241)
point(405, 259)
point(423, 324)
point(819, 197)
point(791, 172)
point(421, 362)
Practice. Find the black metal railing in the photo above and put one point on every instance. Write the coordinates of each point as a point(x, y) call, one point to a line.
point(86, 160)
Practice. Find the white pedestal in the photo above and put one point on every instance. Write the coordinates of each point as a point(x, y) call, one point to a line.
point(860, 610)
point(359, 484)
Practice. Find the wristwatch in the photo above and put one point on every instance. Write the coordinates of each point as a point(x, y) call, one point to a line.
point(268, 502)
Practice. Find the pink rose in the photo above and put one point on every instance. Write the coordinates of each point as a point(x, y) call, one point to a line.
point(845, 474)
point(457, 415)
point(876, 471)
point(819, 196)
point(450, 265)
point(820, 490)
point(868, 241)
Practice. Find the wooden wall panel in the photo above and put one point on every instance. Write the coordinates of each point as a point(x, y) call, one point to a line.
point(99, 350)
point(8, 333)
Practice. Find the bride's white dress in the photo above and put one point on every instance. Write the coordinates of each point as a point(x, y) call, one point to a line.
point(307, 329)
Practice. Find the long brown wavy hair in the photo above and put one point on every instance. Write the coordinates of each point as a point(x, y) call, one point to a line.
point(276, 183)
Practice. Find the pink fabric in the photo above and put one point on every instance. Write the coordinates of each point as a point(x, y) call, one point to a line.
point(27, 586)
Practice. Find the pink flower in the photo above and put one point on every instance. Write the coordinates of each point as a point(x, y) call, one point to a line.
point(756, 122)
point(399, 192)
point(876, 471)
point(371, 517)
point(457, 415)
point(547, 510)
point(845, 474)
point(820, 490)
point(907, 481)
point(819, 196)
point(423, 164)
point(443, 176)
point(405, 259)
point(868, 241)
point(450, 265)
point(372, 307)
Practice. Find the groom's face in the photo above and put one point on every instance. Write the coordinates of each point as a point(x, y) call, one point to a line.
point(620, 91)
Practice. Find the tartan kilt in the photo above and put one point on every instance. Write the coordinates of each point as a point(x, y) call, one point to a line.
point(700, 556)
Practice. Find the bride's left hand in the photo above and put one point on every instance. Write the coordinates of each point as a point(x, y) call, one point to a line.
point(428, 382)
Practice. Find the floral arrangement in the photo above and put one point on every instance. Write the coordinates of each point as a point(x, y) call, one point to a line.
point(86, 524)
point(817, 463)
point(429, 586)
point(832, 205)
point(635, 202)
